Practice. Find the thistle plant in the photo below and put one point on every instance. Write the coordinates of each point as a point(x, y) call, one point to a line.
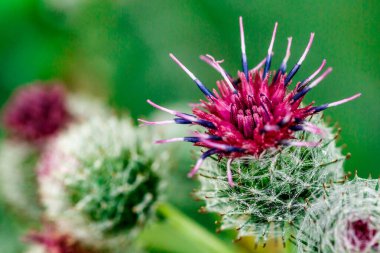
point(100, 181)
point(345, 219)
point(270, 193)
point(269, 156)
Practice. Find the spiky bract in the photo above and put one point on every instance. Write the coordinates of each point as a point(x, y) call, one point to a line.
point(100, 181)
point(271, 191)
point(345, 220)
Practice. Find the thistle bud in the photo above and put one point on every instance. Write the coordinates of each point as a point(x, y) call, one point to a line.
point(263, 196)
point(34, 115)
point(345, 219)
point(100, 181)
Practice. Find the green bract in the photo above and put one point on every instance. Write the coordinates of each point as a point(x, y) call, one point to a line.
point(272, 190)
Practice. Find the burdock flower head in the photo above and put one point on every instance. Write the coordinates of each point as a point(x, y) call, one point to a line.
point(36, 112)
point(100, 181)
point(345, 219)
point(254, 112)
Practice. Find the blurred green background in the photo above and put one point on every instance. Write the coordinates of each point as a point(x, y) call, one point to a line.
point(119, 50)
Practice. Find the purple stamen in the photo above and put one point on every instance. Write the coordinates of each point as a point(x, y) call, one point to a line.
point(199, 163)
point(215, 66)
point(344, 100)
point(223, 147)
point(229, 173)
point(237, 80)
point(208, 137)
point(325, 106)
point(164, 122)
point(222, 72)
point(186, 139)
point(200, 85)
point(313, 129)
point(152, 123)
point(268, 60)
point(283, 66)
point(184, 116)
point(170, 140)
point(297, 128)
point(299, 63)
point(307, 127)
point(243, 53)
point(205, 123)
point(312, 85)
point(307, 80)
point(182, 121)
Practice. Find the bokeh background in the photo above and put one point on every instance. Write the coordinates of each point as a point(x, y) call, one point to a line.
point(118, 49)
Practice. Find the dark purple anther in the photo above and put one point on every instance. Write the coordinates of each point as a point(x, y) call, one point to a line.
point(267, 65)
point(182, 121)
point(301, 94)
point(292, 73)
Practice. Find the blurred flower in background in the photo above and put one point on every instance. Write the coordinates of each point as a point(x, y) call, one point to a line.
point(99, 183)
point(35, 114)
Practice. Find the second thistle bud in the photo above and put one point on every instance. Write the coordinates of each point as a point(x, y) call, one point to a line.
point(100, 181)
point(345, 219)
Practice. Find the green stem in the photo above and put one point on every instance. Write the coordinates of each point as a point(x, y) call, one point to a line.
point(189, 235)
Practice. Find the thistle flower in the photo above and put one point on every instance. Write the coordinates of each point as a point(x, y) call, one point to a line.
point(100, 180)
point(253, 112)
point(36, 112)
point(346, 219)
point(270, 193)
